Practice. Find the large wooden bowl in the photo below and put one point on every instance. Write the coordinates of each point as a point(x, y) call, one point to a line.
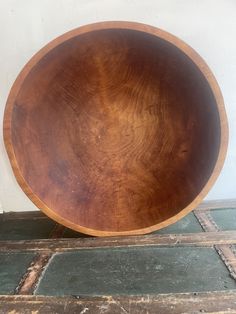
point(116, 128)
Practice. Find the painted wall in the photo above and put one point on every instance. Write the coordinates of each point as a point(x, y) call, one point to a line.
point(209, 26)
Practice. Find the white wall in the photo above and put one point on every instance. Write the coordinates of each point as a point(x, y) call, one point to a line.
point(209, 26)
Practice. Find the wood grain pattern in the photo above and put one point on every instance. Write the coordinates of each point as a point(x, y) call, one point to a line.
point(205, 205)
point(203, 302)
point(116, 128)
point(202, 239)
point(30, 279)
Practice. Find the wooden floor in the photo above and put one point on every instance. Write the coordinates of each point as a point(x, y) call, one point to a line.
point(189, 267)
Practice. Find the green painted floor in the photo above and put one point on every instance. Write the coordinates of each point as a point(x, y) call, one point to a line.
point(144, 270)
point(12, 268)
point(25, 229)
point(225, 218)
point(133, 270)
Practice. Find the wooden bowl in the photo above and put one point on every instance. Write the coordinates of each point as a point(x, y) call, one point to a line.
point(116, 128)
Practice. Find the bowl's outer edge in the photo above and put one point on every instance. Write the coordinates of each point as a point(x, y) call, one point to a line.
point(190, 52)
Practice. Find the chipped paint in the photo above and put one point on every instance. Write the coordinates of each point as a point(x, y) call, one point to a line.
point(226, 252)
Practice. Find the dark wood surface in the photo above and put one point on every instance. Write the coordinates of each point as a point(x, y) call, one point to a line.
point(62, 245)
point(208, 302)
point(205, 205)
point(116, 128)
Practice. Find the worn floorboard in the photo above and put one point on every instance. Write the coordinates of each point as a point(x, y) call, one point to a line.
point(135, 271)
point(217, 204)
point(221, 302)
point(12, 268)
point(64, 245)
point(226, 252)
point(179, 258)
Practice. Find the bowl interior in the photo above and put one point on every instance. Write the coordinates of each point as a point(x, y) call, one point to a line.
point(115, 130)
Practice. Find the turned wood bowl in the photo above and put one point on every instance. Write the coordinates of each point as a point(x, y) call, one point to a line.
point(116, 128)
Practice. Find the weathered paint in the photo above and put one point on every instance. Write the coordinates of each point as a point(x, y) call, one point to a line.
point(135, 271)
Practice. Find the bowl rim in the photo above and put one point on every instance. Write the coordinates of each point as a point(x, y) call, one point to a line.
point(186, 49)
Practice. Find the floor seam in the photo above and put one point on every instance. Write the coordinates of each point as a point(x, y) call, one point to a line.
point(34, 273)
point(227, 253)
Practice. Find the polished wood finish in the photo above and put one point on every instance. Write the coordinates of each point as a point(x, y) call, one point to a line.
point(205, 205)
point(116, 128)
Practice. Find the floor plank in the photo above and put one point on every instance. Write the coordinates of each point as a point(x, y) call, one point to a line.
point(63, 245)
point(210, 302)
point(12, 268)
point(143, 270)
